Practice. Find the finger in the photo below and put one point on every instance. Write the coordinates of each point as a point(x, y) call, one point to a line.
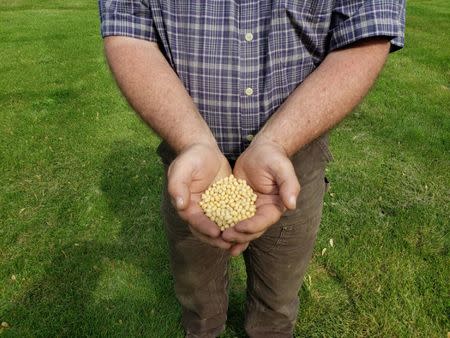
point(217, 242)
point(287, 182)
point(198, 220)
point(233, 236)
point(265, 216)
point(237, 249)
point(179, 181)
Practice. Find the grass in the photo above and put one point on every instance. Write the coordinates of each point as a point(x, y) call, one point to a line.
point(82, 246)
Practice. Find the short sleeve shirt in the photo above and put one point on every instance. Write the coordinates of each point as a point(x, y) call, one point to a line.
point(239, 60)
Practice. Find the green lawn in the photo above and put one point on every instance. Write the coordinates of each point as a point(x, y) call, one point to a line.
point(82, 246)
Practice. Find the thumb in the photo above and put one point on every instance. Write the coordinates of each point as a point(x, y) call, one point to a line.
point(179, 182)
point(287, 182)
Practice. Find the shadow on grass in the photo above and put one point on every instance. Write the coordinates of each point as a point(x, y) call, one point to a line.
point(119, 287)
point(235, 322)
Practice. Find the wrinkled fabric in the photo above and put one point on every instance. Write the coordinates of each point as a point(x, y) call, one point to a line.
point(206, 44)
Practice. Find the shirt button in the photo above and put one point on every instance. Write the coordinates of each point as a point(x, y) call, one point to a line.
point(249, 37)
point(248, 91)
point(249, 137)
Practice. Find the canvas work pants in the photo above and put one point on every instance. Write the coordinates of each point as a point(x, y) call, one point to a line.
point(275, 263)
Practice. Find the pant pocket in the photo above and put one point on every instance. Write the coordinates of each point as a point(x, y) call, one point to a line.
point(322, 141)
point(271, 239)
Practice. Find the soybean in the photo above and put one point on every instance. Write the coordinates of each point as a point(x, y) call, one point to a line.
point(228, 201)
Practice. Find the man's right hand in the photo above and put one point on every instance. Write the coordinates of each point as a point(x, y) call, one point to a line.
point(156, 92)
point(189, 175)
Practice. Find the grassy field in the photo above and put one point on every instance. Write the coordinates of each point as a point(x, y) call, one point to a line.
point(82, 247)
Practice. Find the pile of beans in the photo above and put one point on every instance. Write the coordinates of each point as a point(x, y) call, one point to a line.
point(228, 201)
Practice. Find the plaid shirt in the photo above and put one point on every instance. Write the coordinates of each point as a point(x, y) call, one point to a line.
point(239, 60)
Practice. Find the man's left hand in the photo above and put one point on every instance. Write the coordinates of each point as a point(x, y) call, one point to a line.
point(270, 173)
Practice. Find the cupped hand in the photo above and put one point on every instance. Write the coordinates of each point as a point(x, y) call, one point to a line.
point(189, 175)
point(268, 170)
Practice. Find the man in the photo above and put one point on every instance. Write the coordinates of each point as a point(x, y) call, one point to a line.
point(249, 87)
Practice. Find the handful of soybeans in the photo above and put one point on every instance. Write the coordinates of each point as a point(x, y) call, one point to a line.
point(228, 201)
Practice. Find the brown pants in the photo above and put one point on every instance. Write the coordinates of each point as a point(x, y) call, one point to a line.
point(275, 263)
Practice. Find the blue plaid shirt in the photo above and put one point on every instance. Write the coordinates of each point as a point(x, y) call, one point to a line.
point(239, 60)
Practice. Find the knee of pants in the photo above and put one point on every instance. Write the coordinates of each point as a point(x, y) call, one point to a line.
point(275, 276)
point(282, 305)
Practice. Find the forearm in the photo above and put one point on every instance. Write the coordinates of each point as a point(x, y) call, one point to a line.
point(155, 92)
point(326, 96)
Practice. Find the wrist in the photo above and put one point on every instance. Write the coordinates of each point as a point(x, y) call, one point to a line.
point(201, 151)
point(206, 141)
point(267, 140)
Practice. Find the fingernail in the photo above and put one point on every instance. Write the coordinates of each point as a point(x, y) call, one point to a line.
point(292, 201)
point(180, 202)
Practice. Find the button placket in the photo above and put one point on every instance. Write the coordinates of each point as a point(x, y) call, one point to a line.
point(248, 27)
